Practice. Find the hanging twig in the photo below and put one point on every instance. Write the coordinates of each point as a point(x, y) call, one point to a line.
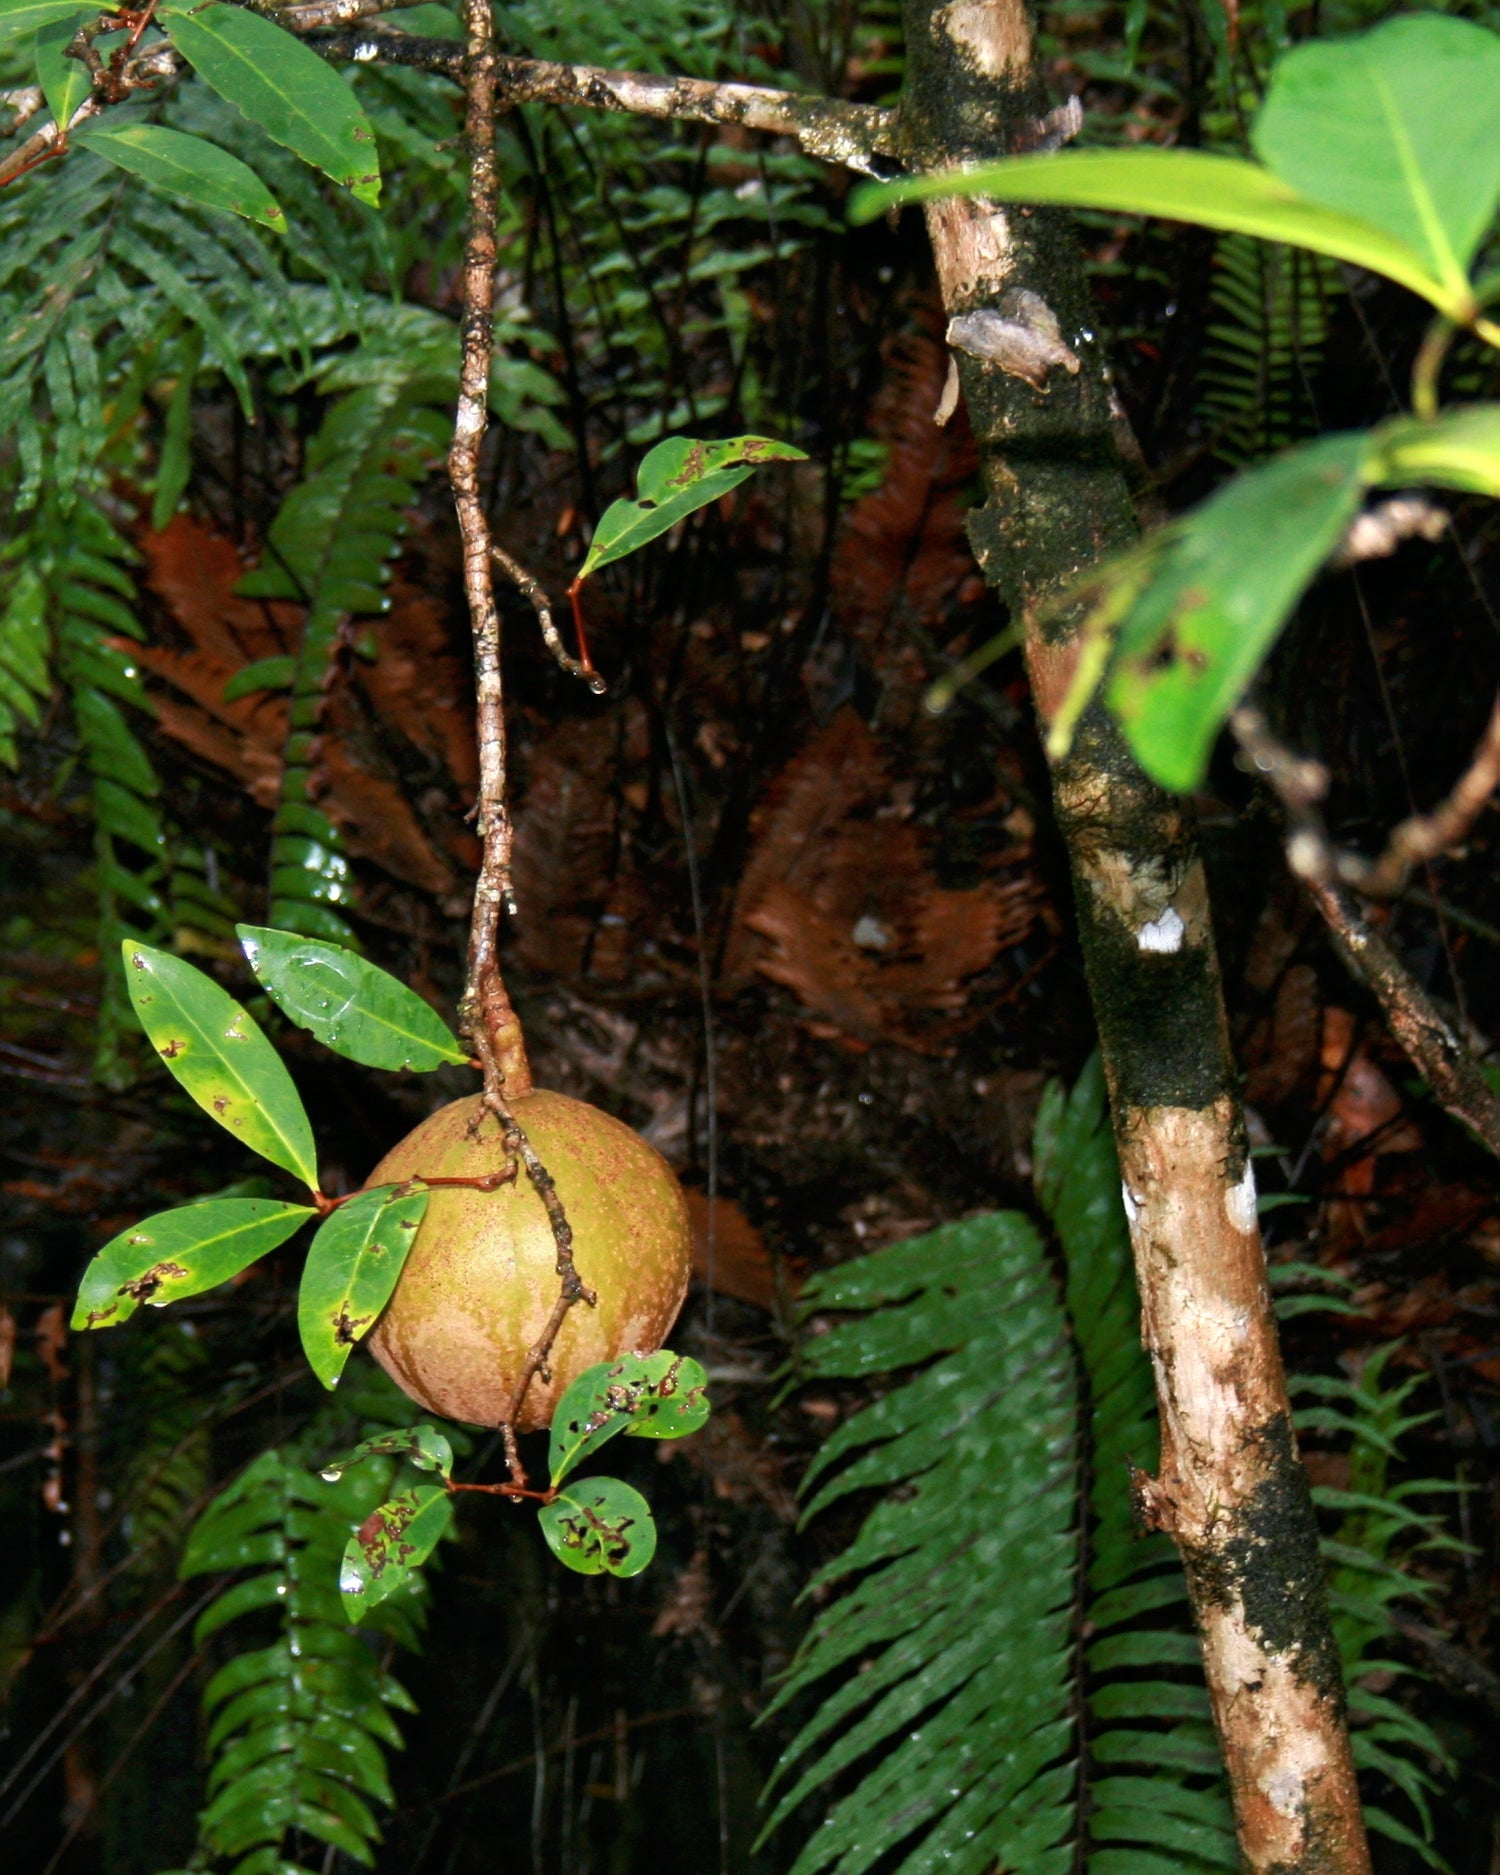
point(488, 1019)
point(1301, 784)
point(532, 588)
point(1430, 1041)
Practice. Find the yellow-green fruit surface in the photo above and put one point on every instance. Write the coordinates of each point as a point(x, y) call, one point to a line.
point(480, 1279)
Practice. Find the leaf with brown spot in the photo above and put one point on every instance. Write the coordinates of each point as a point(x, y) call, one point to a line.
point(181, 1253)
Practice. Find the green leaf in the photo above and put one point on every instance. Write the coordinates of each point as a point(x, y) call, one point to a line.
point(352, 1006)
point(181, 1253)
point(1459, 450)
point(30, 16)
point(218, 1053)
point(1197, 606)
point(352, 1267)
point(677, 478)
point(191, 167)
point(600, 1526)
point(1184, 185)
point(65, 82)
point(282, 85)
point(1398, 127)
point(654, 1396)
point(264, 674)
point(392, 1542)
point(175, 464)
point(421, 1445)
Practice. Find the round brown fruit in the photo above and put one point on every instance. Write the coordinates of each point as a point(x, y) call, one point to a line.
point(480, 1279)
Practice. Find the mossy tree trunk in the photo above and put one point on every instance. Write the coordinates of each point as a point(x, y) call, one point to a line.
point(1231, 1490)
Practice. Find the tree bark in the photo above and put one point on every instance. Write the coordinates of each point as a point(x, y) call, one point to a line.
point(1231, 1492)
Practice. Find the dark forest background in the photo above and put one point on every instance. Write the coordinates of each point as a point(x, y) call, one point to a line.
point(815, 942)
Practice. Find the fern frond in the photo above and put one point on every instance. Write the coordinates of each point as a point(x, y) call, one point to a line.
point(1268, 324)
point(330, 545)
point(958, 1712)
point(298, 1728)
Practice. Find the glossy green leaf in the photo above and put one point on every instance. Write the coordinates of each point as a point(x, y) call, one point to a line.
point(392, 1542)
point(181, 1253)
point(282, 85)
point(190, 167)
point(264, 674)
point(18, 17)
point(1460, 449)
point(217, 1052)
point(351, 1006)
point(1195, 608)
point(1183, 185)
point(1398, 127)
point(677, 478)
point(600, 1526)
point(421, 1445)
point(65, 82)
point(654, 1396)
point(352, 1267)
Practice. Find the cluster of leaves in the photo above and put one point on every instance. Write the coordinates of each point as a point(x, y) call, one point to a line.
point(1179, 626)
point(259, 68)
point(977, 1730)
point(219, 1054)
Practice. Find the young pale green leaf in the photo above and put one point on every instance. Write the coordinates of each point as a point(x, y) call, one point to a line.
point(677, 478)
point(191, 167)
point(1460, 449)
point(65, 82)
point(390, 1544)
point(351, 1006)
point(351, 1269)
point(655, 1396)
point(1185, 185)
point(217, 1052)
point(181, 1253)
point(264, 674)
point(1198, 605)
point(19, 17)
point(282, 85)
point(1398, 127)
point(422, 1445)
point(600, 1526)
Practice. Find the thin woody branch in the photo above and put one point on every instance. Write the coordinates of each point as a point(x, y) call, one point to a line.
point(1432, 1044)
point(488, 1019)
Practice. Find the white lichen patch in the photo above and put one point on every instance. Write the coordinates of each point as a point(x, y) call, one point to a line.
point(1162, 935)
point(1131, 1203)
point(1239, 1202)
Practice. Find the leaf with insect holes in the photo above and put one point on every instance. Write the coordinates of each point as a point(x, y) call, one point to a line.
point(65, 82)
point(392, 1542)
point(352, 1267)
point(423, 1446)
point(217, 1052)
point(653, 1396)
point(181, 1253)
point(190, 167)
point(677, 478)
point(282, 85)
point(351, 1006)
point(600, 1526)
point(264, 674)
point(19, 17)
